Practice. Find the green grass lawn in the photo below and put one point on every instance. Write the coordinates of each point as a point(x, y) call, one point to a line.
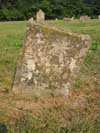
point(77, 118)
point(92, 27)
point(11, 39)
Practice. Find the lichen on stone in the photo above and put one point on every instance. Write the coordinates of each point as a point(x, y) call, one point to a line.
point(49, 61)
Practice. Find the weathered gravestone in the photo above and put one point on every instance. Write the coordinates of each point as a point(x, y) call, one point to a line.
point(40, 16)
point(85, 18)
point(50, 60)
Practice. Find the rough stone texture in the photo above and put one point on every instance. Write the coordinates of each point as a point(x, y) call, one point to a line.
point(50, 60)
point(85, 18)
point(40, 16)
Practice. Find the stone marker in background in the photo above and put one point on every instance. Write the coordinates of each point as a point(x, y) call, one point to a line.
point(49, 62)
point(68, 18)
point(72, 18)
point(30, 20)
point(85, 18)
point(40, 16)
point(99, 17)
point(56, 19)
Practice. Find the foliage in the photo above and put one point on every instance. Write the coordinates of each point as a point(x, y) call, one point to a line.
point(23, 9)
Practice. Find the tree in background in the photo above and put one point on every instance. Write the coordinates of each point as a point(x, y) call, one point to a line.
point(24, 9)
point(96, 7)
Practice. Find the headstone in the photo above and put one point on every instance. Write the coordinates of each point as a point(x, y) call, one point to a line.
point(99, 17)
point(68, 18)
point(40, 16)
point(30, 20)
point(49, 61)
point(72, 18)
point(56, 19)
point(85, 18)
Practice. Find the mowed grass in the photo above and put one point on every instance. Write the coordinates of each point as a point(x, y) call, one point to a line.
point(11, 39)
point(80, 113)
point(91, 27)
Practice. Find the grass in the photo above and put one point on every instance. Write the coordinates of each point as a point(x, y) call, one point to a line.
point(79, 113)
point(11, 38)
point(92, 27)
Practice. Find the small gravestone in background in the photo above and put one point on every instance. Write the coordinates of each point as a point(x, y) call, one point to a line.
point(56, 19)
point(30, 20)
point(85, 18)
point(72, 18)
point(99, 17)
point(68, 18)
point(40, 16)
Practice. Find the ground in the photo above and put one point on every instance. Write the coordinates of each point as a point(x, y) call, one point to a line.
point(78, 113)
